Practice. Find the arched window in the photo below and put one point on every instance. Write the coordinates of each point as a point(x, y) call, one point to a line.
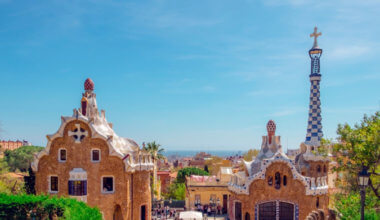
point(247, 216)
point(270, 180)
point(319, 168)
point(317, 202)
point(277, 180)
point(324, 169)
point(284, 180)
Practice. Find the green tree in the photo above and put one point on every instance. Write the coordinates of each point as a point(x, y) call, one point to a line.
point(359, 146)
point(21, 158)
point(156, 152)
point(176, 191)
point(188, 171)
point(348, 205)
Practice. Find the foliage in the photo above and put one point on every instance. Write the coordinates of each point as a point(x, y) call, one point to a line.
point(188, 171)
point(359, 146)
point(251, 153)
point(8, 183)
point(155, 151)
point(4, 168)
point(22, 206)
point(21, 158)
point(348, 205)
point(176, 191)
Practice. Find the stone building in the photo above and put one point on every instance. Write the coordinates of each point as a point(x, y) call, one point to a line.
point(85, 159)
point(13, 145)
point(208, 190)
point(273, 186)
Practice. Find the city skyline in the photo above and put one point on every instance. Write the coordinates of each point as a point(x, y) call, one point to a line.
point(187, 77)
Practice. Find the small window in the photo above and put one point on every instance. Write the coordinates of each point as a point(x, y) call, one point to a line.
point(197, 199)
point(108, 185)
point(270, 180)
point(284, 180)
point(53, 184)
point(95, 155)
point(317, 202)
point(62, 155)
point(324, 169)
point(277, 179)
point(319, 168)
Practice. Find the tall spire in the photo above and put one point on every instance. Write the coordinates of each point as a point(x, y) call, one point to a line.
point(314, 126)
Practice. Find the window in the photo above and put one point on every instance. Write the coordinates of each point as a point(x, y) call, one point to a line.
point(95, 155)
point(267, 210)
point(143, 212)
point(53, 184)
point(317, 202)
point(107, 185)
point(77, 187)
point(213, 197)
point(286, 211)
point(62, 155)
point(324, 169)
point(276, 210)
point(197, 199)
point(247, 216)
point(277, 179)
point(319, 168)
point(270, 181)
point(284, 180)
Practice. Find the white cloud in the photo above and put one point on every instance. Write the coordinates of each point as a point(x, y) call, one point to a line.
point(348, 52)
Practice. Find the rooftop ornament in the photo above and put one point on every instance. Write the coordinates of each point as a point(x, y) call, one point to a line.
point(315, 34)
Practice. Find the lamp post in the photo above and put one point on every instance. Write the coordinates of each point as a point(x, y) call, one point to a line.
point(363, 178)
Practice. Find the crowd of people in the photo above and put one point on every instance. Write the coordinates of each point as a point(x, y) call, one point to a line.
point(164, 212)
point(209, 209)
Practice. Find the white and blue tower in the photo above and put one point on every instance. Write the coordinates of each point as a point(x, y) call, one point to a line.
point(314, 125)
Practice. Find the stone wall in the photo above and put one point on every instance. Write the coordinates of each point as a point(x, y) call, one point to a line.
point(294, 192)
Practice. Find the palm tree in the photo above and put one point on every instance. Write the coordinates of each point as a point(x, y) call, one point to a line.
point(156, 152)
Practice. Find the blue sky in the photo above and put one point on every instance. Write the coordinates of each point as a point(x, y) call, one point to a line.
point(191, 75)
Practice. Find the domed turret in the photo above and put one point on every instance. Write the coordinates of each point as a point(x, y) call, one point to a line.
point(89, 85)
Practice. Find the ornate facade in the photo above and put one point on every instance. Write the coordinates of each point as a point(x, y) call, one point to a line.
point(85, 159)
point(273, 186)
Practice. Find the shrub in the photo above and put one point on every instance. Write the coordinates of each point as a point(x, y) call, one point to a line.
point(40, 206)
point(188, 171)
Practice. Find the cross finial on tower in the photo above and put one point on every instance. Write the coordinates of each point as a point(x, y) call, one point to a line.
point(315, 34)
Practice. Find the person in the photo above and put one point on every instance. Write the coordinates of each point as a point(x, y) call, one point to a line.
point(209, 211)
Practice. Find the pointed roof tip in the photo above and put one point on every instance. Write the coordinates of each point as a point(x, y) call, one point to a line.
point(89, 84)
